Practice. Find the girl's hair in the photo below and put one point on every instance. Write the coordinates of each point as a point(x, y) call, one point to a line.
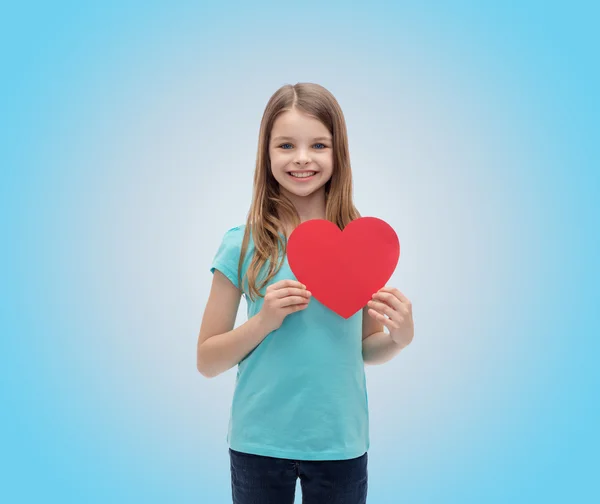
point(269, 207)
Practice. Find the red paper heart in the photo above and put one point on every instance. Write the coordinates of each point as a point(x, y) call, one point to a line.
point(343, 269)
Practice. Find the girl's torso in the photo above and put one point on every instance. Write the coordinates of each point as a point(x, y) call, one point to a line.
point(301, 393)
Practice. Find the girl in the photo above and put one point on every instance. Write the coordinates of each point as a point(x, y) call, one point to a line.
point(300, 407)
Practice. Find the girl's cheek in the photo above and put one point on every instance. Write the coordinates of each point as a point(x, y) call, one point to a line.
point(279, 161)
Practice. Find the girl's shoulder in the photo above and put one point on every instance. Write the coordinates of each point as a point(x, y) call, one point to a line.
point(235, 234)
point(235, 229)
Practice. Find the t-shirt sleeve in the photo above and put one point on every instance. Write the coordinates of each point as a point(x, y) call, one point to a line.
point(227, 258)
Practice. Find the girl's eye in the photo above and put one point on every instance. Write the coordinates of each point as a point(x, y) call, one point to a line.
point(320, 148)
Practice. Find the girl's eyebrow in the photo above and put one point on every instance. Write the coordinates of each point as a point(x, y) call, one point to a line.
point(290, 138)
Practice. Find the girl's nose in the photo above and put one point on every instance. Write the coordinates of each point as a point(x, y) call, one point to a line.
point(302, 157)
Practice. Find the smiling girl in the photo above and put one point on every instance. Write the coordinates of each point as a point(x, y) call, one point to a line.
point(300, 406)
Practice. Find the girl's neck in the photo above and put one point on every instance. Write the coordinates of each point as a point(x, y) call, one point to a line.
point(308, 208)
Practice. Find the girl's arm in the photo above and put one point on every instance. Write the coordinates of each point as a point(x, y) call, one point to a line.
point(377, 345)
point(220, 346)
point(379, 348)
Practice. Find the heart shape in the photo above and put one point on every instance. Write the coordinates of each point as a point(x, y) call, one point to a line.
point(343, 269)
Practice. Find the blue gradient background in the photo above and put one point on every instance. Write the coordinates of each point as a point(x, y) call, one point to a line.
point(128, 140)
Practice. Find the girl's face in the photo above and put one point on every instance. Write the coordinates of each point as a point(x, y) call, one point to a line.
point(301, 153)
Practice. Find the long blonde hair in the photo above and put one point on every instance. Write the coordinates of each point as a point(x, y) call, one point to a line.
point(270, 208)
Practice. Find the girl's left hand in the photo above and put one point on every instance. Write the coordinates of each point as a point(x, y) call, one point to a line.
point(398, 308)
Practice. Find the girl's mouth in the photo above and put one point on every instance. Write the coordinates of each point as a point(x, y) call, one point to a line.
point(302, 176)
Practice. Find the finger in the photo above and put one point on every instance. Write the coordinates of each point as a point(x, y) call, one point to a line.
point(384, 309)
point(390, 324)
point(295, 308)
point(288, 282)
point(396, 293)
point(291, 291)
point(291, 300)
point(391, 300)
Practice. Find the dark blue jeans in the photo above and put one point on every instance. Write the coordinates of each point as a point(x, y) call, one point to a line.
point(256, 479)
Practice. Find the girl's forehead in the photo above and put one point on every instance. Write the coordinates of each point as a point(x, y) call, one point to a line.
point(289, 124)
point(295, 117)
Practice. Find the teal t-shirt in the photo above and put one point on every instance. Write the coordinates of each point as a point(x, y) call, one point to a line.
point(301, 393)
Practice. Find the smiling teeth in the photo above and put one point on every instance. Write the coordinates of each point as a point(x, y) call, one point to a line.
point(302, 175)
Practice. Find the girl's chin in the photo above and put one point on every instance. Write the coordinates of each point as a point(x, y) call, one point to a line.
point(301, 190)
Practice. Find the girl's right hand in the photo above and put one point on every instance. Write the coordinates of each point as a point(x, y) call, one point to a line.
point(281, 299)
